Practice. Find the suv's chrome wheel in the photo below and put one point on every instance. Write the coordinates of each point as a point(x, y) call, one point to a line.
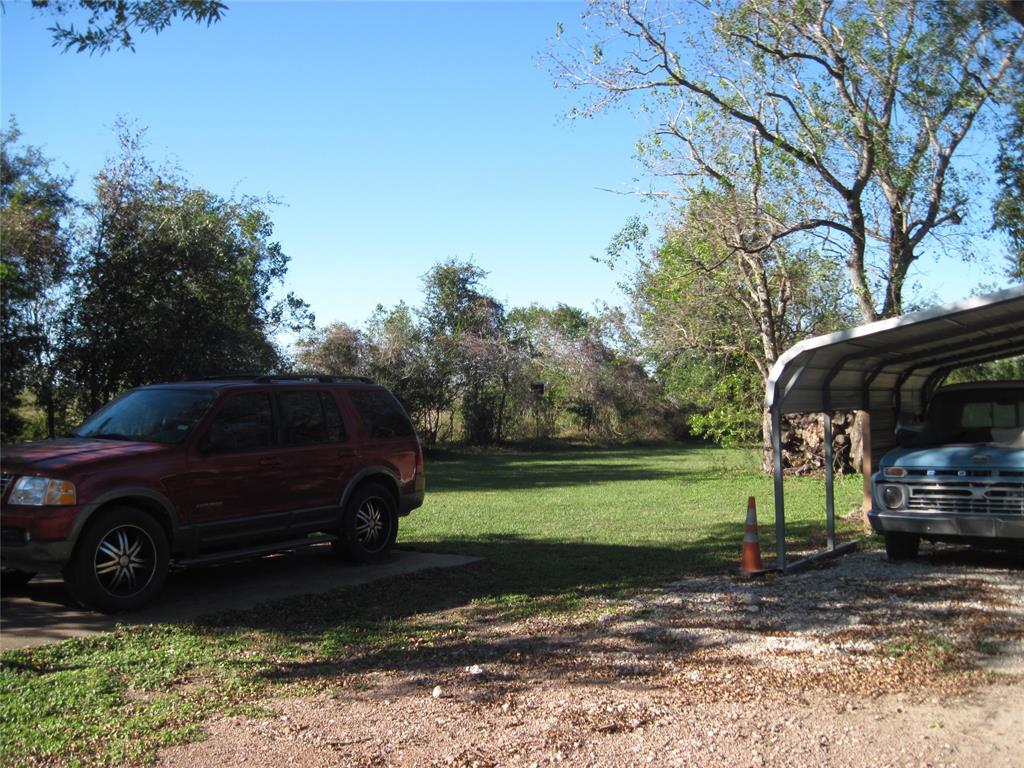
point(373, 524)
point(125, 560)
point(119, 562)
point(369, 524)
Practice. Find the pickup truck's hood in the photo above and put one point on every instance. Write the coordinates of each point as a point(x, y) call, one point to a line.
point(958, 456)
point(70, 453)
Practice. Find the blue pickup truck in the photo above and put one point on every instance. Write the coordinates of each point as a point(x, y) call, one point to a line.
point(959, 475)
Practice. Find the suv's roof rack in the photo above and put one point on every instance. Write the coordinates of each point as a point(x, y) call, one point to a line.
point(268, 378)
point(322, 378)
point(228, 377)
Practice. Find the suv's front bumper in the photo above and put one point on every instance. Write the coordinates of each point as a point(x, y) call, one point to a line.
point(37, 556)
point(940, 524)
point(36, 538)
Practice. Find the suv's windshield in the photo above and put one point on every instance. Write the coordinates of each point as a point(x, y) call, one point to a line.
point(148, 416)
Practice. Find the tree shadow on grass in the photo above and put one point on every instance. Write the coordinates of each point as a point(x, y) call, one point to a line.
point(516, 577)
point(406, 624)
point(512, 569)
point(579, 466)
point(512, 475)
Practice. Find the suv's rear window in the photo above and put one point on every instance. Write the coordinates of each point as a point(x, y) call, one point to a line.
point(311, 418)
point(381, 413)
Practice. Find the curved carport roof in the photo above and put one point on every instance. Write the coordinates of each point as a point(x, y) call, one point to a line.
point(885, 368)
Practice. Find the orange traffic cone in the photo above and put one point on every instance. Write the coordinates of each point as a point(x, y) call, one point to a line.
point(751, 562)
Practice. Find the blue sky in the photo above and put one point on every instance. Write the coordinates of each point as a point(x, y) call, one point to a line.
point(395, 135)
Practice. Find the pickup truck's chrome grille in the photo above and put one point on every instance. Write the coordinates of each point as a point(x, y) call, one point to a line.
point(954, 473)
point(968, 498)
point(5, 480)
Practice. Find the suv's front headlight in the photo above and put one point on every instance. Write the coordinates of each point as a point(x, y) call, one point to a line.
point(43, 492)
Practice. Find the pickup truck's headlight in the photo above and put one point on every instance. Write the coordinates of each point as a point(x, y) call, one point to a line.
point(43, 492)
point(893, 496)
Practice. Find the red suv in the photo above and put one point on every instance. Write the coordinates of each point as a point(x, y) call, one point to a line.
point(204, 471)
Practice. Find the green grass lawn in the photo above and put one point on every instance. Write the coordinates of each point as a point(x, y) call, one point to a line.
point(600, 519)
point(556, 531)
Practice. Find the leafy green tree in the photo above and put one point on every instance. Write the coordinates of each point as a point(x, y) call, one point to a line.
point(34, 259)
point(112, 23)
point(592, 383)
point(551, 339)
point(394, 353)
point(472, 359)
point(859, 110)
point(1010, 369)
point(175, 282)
point(1009, 205)
point(336, 349)
point(716, 315)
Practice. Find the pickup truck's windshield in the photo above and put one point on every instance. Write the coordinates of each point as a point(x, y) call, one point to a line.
point(148, 416)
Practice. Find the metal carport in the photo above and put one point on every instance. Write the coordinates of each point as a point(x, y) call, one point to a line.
point(886, 369)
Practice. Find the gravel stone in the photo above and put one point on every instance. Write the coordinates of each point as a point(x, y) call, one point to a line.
point(858, 663)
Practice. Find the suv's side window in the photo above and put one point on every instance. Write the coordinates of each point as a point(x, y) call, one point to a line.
point(380, 413)
point(335, 425)
point(311, 418)
point(244, 423)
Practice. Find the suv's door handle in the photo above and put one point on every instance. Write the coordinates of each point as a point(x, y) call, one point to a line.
point(343, 454)
point(270, 462)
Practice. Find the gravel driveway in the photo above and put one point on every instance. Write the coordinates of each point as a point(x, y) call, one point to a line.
point(858, 663)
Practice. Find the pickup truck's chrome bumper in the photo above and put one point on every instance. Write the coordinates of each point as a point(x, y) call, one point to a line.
point(984, 526)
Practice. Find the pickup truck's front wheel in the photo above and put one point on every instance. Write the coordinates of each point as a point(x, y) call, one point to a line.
point(120, 561)
point(902, 546)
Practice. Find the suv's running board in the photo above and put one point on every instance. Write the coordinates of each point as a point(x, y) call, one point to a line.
point(242, 554)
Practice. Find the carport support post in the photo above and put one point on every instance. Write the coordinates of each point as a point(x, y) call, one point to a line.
point(830, 500)
point(780, 512)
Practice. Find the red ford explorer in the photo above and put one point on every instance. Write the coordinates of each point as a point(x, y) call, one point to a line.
point(203, 471)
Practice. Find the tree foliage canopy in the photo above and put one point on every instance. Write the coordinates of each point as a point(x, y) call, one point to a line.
point(855, 109)
point(714, 317)
point(175, 282)
point(113, 23)
point(1009, 205)
point(34, 260)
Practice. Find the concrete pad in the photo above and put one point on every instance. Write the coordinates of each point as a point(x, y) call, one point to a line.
point(1006, 657)
point(42, 612)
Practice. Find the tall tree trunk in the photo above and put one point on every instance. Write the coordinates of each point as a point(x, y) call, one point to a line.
point(767, 459)
point(901, 254)
point(51, 415)
point(855, 262)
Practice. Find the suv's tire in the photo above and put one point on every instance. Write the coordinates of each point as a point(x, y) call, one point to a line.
point(369, 524)
point(120, 561)
point(902, 546)
point(12, 578)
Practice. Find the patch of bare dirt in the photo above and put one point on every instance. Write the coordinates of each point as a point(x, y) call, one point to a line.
point(862, 663)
